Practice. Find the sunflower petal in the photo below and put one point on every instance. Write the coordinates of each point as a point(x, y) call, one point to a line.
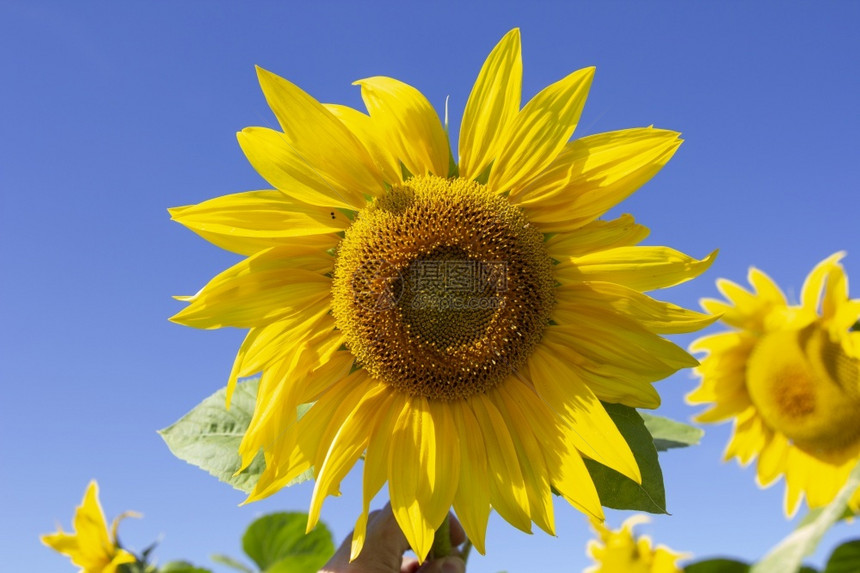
point(320, 145)
point(369, 133)
point(539, 132)
point(657, 316)
point(814, 283)
point(592, 430)
point(639, 268)
point(532, 461)
point(272, 284)
point(595, 173)
point(507, 487)
point(410, 461)
point(472, 499)
point(597, 236)
point(375, 469)
point(346, 447)
point(567, 470)
point(492, 105)
point(248, 222)
point(408, 123)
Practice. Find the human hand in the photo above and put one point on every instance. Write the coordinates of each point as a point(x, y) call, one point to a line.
point(385, 545)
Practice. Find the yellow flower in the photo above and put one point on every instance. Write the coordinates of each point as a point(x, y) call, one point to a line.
point(91, 547)
point(789, 376)
point(619, 552)
point(456, 323)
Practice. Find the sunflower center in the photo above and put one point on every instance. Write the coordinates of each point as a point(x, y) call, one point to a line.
point(806, 387)
point(441, 288)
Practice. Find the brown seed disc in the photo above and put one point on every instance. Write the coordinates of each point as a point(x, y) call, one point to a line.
point(441, 288)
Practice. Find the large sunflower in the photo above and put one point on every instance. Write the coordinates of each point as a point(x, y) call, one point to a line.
point(458, 323)
point(789, 376)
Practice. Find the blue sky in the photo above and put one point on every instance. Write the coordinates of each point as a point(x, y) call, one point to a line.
point(113, 112)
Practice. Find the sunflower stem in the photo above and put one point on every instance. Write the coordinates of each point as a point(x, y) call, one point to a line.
point(442, 541)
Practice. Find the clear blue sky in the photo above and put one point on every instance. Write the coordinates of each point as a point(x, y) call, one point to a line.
point(112, 112)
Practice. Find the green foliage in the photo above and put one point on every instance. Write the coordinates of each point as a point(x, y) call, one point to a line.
point(279, 537)
point(232, 563)
point(788, 555)
point(277, 543)
point(619, 492)
point(719, 565)
point(181, 567)
point(209, 436)
point(668, 433)
point(845, 558)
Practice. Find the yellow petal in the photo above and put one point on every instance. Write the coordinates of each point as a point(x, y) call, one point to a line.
point(472, 500)
point(594, 433)
point(61, 542)
point(612, 381)
point(248, 222)
point(507, 487)
point(814, 283)
point(375, 468)
point(765, 287)
point(607, 338)
point(539, 132)
point(265, 345)
point(445, 474)
point(90, 525)
point(289, 169)
point(346, 447)
point(657, 316)
point(564, 462)
point(596, 236)
point(265, 287)
point(639, 268)
point(408, 123)
point(593, 174)
point(321, 149)
point(369, 133)
point(492, 106)
point(532, 461)
point(411, 455)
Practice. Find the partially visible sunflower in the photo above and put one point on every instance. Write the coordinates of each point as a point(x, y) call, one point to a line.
point(91, 546)
point(457, 323)
point(620, 552)
point(789, 376)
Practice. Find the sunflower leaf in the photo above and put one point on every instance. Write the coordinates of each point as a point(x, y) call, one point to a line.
point(277, 543)
point(620, 492)
point(209, 436)
point(788, 555)
point(717, 565)
point(845, 558)
point(668, 433)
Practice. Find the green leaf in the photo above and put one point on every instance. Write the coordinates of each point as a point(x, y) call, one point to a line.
point(209, 436)
point(280, 537)
point(845, 558)
point(718, 565)
point(619, 492)
point(668, 433)
point(181, 567)
point(788, 555)
point(230, 562)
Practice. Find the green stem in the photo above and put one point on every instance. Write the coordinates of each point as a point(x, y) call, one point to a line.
point(467, 548)
point(441, 541)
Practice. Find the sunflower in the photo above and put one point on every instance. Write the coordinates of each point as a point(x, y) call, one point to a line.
point(789, 376)
point(91, 547)
point(456, 323)
point(620, 552)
